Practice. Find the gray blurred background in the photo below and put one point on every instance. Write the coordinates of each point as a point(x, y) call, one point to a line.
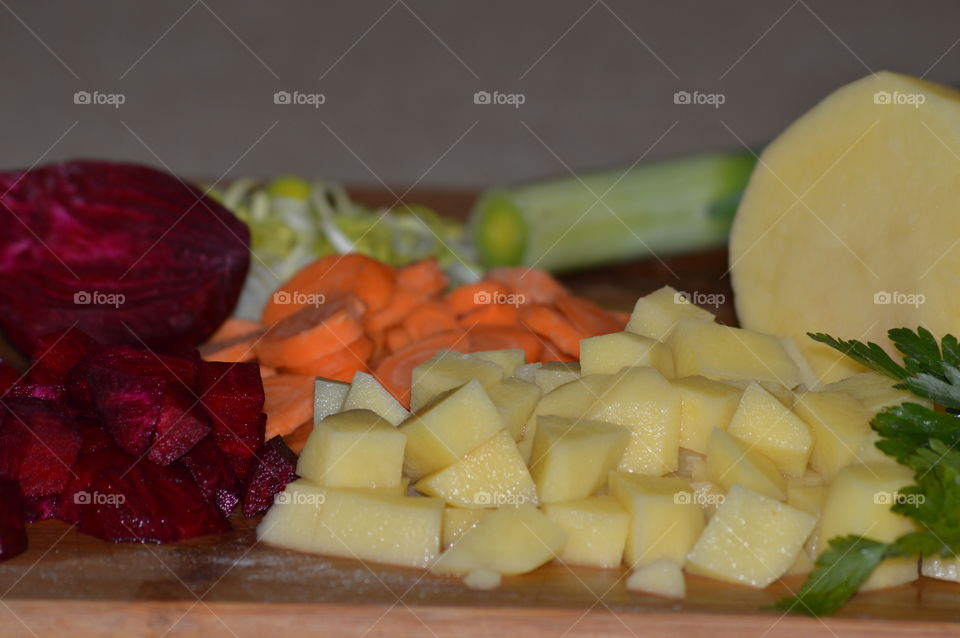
point(197, 81)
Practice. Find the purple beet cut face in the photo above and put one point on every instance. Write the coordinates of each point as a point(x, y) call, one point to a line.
point(232, 394)
point(13, 533)
point(213, 474)
point(38, 447)
point(41, 508)
point(142, 258)
point(148, 503)
point(56, 354)
point(274, 466)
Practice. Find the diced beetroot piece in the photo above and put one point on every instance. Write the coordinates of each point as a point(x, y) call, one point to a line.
point(232, 394)
point(179, 428)
point(41, 508)
point(38, 447)
point(13, 532)
point(129, 406)
point(275, 466)
point(148, 503)
point(213, 474)
point(87, 469)
point(94, 438)
point(56, 354)
point(8, 376)
point(53, 393)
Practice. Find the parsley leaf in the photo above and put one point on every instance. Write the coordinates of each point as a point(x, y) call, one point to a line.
point(869, 354)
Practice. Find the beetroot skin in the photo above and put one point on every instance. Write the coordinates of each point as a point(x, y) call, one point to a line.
point(127, 253)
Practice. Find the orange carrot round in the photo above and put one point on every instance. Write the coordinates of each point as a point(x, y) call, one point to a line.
point(404, 302)
point(394, 371)
point(425, 277)
point(587, 317)
point(354, 355)
point(430, 318)
point(469, 297)
point(288, 404)
point(533, 285)
point(550, 324)
point(494, 315)
point(308, 335)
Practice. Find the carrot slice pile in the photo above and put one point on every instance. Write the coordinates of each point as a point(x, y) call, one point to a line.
point(345, 313)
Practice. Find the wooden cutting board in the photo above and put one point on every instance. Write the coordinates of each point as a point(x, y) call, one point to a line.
point(76, 585)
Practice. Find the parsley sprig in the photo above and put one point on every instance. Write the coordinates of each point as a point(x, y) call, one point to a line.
point(916, 436)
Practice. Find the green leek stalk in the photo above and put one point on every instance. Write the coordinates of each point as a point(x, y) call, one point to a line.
point(656, 208)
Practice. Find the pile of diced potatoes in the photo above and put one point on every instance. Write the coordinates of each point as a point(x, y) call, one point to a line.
point(679, 445)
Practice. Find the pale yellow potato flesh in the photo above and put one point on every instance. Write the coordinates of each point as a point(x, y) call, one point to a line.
point(516, 400)
point(447, 370)
point(765, 423)
point(849, 223)
point(660, 578)
point(610, 353)
point(366, 393)
point(731, 461)
point(705, 404)
point(656, 315)
point(596, 530)
point(456, 522)
point(840, 426)
point(508, 360)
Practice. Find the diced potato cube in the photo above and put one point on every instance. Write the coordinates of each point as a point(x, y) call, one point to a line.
point(751, 539)
point(527, 371)
point(516, 400)
point(555, 373)
point(483, 579)
point(875, 391)
point(643, 401)
point(456, 522)
point(366, 393)
point(509, 540)
point(802, 564)
point(731, 461)
point(291, 520)
point(722, 352)
point(447, 370)
point(858, 502)
point(705, 404)
point(941, 568)
point(839, 425)
point(808, 378)
point(660, 578)
point(508, 360)
point(448, 429)
point(664, 519)
point(571, 458)
point(526, 450)
point(596, 529)
point(691, 465)
point(328, 396)
point(769, 426)
point(356, 448)
point(365, 525)
point(610, 353)
point(572, 400)
point(807, 498)
point(492, 475)
point(708, 495)
point(656, 315)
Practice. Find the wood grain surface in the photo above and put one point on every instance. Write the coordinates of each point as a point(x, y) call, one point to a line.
point(76, 585)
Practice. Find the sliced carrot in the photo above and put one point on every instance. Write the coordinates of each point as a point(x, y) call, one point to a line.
point(430, 318)
point(494, 314)
point(423, 276)
point(373, 282)
point(346, 374)
point(551, 352)
point(492, 337)
point(397, 338)
point(234, 350)
point(622, 317)
point(267, 372)
point(309, 334)
point(469, 297)
point(394, 371)
point(355, 356)
point(550, 324)
point(233, 328)
point(289, 403)
point(587, 317)
point(297, 439)
point(535, 286)
point(404, 302)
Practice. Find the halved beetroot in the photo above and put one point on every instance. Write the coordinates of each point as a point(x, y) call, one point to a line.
point(56, 354)
point(127, 253)
point(13, 533)
point(275, 466)
point(213, 474)
point(232, 394)
point(38, 447)
point(148, 503)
